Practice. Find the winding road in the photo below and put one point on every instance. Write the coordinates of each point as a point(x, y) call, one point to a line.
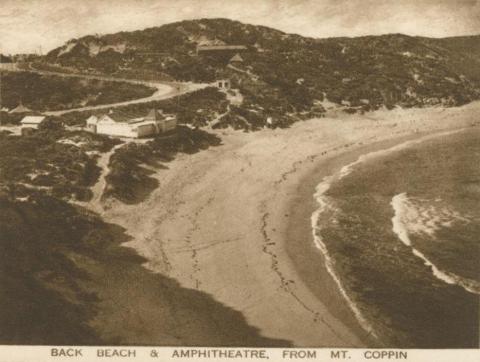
point(164, 89)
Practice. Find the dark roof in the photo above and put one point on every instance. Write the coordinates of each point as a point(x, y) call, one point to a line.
point(20, 109)
point(154, 115)
point(123, 116)
point(134, 117)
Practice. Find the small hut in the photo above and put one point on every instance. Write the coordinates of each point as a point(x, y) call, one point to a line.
point(30, 123)
point(223, 83)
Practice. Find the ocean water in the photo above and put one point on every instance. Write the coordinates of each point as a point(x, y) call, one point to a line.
point(400, 230)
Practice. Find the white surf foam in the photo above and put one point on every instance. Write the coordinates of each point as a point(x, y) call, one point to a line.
point(408, 219)
point(424, 218)
point(322, 200)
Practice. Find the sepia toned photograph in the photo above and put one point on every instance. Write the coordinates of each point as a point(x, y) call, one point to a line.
point(256, 173)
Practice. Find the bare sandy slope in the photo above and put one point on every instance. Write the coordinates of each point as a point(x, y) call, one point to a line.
point(222, 218)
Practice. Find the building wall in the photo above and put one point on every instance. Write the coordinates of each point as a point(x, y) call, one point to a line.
point(146, 130)
point(92, 120)
point(27, 131)
point(223, 84)
point(92, 124)
point(118, 129)
point(29, 125)
point(92, 128)
point(109, 127)
point(168, 125)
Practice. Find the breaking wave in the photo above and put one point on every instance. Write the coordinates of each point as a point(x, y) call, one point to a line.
point(324, 206)
point(410, 218)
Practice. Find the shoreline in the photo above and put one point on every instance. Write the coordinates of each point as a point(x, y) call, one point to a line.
point(376, 265)
point(305, 255)
point(264, 193)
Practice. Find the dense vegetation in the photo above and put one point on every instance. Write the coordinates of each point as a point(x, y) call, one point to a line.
point(42, 301)
point(63, 163)
point(46, 161)
point(5, 59)
point(10, 118)
point(285, 76)
point(46, 92)
point(131, 182)
point(40, 233)
point(195, 108)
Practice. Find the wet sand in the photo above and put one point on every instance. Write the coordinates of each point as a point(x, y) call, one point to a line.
point(234, 222)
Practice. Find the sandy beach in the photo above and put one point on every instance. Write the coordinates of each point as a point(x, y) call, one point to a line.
point(234, 221)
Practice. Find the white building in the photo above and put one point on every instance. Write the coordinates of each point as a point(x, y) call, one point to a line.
point(92, 124)
point(31, 122)
point(120, 124)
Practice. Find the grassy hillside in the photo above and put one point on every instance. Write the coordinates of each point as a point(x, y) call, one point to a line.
point(45, 92)
point(285, 76)
point(51, 161)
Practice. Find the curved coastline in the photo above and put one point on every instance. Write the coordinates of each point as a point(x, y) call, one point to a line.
point(309, 259)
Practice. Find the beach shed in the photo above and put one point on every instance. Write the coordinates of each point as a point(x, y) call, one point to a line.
point(30, 123)
point(223, 83)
